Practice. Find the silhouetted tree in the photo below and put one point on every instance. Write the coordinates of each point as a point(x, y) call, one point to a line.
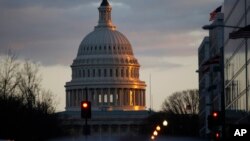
point(27, 110)
point(184, 102)
point(8, 75)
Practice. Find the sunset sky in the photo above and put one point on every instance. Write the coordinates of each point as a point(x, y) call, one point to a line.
point(165, 36)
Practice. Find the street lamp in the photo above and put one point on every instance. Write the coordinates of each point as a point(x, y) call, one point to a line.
point(152, 137)
point(155, 133)
point(158, 128)
point(165, 123)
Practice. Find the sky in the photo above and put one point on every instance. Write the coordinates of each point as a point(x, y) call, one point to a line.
point(165, 36)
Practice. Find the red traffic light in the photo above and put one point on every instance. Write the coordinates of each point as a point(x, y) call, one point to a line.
point(215, 114)
point(85, 105)
point(86, 109)
point(217, 135)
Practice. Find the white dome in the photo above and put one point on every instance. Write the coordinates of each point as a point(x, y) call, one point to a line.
point(106, 70)
point(105, 36)
point(104, 39)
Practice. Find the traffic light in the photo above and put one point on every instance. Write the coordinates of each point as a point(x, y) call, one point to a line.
point(216, 117)
point(216, 135)
point(214, 120)
point(86, 109)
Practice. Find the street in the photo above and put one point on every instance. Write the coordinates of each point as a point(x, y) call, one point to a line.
point(96, 138)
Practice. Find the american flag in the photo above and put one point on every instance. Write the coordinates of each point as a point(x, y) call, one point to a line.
point(214, 13)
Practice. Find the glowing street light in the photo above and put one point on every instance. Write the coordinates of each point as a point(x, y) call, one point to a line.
point(152, 137)
point(158, 128)
point(155, 133)
point(165, 123)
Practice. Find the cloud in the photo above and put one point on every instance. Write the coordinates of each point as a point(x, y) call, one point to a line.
point(55, 28)
point(165, 35)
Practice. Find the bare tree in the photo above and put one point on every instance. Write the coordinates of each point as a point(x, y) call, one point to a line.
point(29, 84)
point(24, 103)
point(8, 75)
point(22, 79)
point(184, 102)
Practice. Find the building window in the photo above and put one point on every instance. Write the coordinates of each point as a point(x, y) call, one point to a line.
point(105, 73)
point(99, 72)
point(93, 72)
point(122, 73)
point(100, 98)
point(83, 73)
point(111, 98)
point(111, 73)
point(80, 74)
point(88, 73)
point(105, 98)
point(116, 73)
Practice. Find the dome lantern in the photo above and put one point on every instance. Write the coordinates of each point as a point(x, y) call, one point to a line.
point(105, 3)
point(105, 16)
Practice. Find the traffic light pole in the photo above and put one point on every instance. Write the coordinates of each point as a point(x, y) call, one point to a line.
point(86, 130)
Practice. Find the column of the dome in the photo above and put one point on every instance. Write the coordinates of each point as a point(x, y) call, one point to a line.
point(108, 96)
point(139, 97)
point(114, 97)
point(136, 97)
point(99, 96)
point(128, 97)
point(119, 97)
point(91, 95)
point(81, 93)
point(144, 98)
point(67, 94)
point(73, 98)
point(76, 98)
point(124, 97)
point(94, 97)
point(70, 98)
point(102, 97)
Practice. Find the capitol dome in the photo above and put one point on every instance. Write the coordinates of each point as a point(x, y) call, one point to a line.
point(105, 70)
point(104, 39)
